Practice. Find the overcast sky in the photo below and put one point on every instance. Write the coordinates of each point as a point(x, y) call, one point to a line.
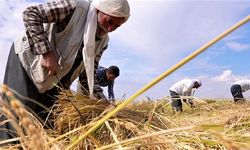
point(158, 35)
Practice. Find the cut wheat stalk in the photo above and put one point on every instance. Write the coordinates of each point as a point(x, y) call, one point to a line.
point(145, 136)
point(113, 134)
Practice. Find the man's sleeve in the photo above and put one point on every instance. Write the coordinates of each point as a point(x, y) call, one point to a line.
point(97, 60)
point(35, 16)
point(98, 57)
point(111, 91)
point(82, 84)
point(187, 90)
point(98, 92)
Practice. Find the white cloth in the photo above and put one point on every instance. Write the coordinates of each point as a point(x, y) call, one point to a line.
point(116, 8)
point(89, 46)
point(245, 84)
point(183, 87)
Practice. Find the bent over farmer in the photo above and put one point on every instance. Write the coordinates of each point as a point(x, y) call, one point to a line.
point(238, 88)
point(103, 77)
point(183, 88)
point(62, 39)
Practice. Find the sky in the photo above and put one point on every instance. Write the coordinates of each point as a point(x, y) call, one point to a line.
point(159, 34)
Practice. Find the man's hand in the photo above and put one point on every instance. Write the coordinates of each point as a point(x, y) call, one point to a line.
point(50, 62)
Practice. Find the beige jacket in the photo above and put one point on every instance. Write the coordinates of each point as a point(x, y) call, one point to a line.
point(66, 45)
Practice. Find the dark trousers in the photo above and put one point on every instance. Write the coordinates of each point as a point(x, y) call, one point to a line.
point(237, 92)
point(176, 101)
point(18, 80)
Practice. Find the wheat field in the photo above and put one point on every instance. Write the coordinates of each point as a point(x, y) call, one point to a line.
point(146, 124)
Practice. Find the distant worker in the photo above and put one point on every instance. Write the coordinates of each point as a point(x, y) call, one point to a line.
point(183, 88)
point(104, 77)
point(238, 88)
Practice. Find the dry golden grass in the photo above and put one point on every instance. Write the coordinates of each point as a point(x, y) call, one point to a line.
point(218, 125)
point(29, 131)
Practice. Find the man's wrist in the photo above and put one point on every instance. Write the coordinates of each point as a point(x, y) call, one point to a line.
point(42, 47)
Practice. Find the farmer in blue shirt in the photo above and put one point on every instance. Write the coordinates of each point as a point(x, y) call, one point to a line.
point(103, 77)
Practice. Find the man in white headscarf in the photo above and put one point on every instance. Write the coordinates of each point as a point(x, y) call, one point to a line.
point(183, 88)
point(62, 39)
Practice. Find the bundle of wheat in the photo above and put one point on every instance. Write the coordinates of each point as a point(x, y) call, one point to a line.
point(130, 122)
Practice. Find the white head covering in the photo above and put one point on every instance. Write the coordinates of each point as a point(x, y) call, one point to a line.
point(116, 8)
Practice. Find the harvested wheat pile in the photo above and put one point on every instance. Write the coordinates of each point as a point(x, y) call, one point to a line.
point(127, 123)
point(150, 124)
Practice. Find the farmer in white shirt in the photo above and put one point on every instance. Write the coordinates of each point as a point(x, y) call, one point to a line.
point(183, 88)
point(238, 88)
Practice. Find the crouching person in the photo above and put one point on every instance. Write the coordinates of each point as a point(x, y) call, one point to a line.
point(238, 88)
point(183, 88)
point(104, 77)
